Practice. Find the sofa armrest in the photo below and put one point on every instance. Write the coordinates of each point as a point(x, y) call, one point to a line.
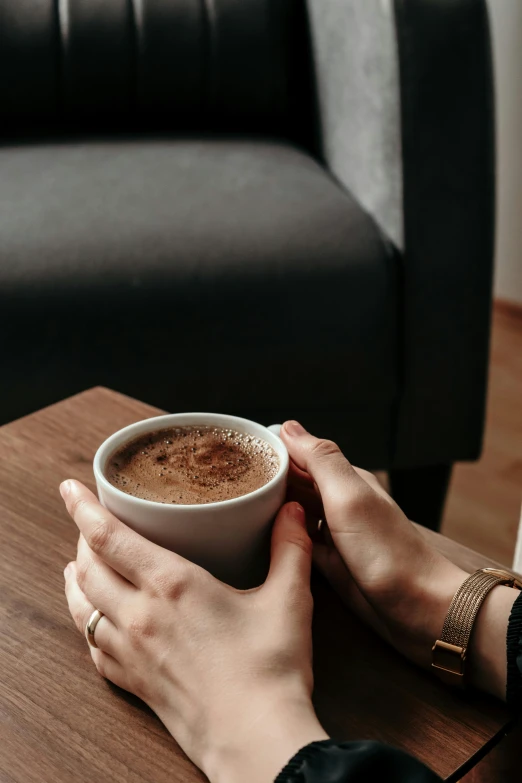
point(405, 99)
point(356, 70)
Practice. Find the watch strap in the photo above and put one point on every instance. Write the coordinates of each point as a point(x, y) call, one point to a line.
point(449, 653)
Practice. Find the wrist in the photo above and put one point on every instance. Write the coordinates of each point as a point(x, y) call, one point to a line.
point(447, 580)
point(262, 743)
point(428, 595)
point(487, 654)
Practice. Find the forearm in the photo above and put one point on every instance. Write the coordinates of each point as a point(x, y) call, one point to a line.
point(487, 649)
point(269, 740)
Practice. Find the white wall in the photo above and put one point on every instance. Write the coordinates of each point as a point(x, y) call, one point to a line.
point(506, 20)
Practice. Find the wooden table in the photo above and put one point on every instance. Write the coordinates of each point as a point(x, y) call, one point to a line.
point(60, 722)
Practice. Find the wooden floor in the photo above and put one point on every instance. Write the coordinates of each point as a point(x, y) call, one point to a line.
point(483, 508)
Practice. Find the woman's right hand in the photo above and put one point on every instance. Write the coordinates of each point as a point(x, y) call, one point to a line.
point(373, 556)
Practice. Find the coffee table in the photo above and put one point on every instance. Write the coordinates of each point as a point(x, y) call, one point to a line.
point(59, 721)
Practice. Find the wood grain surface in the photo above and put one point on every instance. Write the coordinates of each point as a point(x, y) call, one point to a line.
point(60, 722)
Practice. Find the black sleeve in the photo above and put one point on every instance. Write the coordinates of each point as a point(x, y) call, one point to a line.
point(514, 657)
point(354, 762)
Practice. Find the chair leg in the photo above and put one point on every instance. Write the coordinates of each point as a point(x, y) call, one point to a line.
point(421, 492)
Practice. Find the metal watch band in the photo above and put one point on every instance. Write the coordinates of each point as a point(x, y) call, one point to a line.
point(450, 651)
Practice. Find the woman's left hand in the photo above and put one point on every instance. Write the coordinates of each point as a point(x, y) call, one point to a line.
point(228, 672)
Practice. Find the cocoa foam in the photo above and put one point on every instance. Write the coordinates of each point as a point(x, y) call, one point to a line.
point(192, 465)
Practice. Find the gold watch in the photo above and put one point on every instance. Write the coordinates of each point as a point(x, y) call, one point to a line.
point(450, 651)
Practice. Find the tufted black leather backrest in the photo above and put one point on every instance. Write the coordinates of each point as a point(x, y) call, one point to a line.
point(176, 65)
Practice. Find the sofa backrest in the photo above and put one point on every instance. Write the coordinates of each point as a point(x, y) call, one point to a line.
point(167, 65)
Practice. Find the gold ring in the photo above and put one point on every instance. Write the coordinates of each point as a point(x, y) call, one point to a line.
point(90, 628)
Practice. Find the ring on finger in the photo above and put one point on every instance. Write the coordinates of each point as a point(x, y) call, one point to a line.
point(90, 628)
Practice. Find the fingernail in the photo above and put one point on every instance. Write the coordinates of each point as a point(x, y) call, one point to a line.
point(294, 429)
point(65, 488)
point(298, 512)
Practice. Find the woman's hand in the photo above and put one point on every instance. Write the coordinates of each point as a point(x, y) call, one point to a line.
point(371, 553)
point(229, 673)
point(382, 566)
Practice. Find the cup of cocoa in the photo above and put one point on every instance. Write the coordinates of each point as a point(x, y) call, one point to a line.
point(205, 485)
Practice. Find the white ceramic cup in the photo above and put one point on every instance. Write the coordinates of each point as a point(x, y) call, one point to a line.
point(229, 538)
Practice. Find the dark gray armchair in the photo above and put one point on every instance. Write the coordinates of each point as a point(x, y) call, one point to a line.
point(275, 208)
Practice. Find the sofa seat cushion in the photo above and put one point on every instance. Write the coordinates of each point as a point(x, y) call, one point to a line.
point(224, 275)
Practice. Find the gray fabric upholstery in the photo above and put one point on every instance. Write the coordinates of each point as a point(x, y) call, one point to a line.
point(354, 45)
point(231, 276)
point(405, 110)
point(447, 123)
point(242, 274)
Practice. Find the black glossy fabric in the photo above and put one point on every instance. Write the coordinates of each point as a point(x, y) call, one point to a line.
point(167, 64)
point(230, 276)
point(354, 762)
point(514, 657)
point(448, 177)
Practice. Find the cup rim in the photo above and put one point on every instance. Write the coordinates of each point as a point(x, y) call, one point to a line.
point(108, 446)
